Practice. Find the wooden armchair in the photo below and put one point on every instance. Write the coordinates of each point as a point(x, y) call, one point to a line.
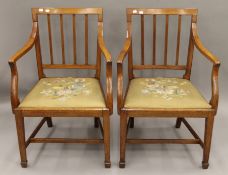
point(69, 96)
point(165, 97)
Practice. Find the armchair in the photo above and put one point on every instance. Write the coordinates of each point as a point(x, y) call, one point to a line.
point(64, 96)
point(165, 97)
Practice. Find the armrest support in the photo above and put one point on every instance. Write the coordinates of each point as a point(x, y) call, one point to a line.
point(108, 59)
point(109, 86)
point(120, 60)
point(215, 69)
point(215, 88)
point(119, 86)
point(12, 62)
point(14, 87)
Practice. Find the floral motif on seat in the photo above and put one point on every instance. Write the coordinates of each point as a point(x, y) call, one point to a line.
point(164, 88)
point(63, 89)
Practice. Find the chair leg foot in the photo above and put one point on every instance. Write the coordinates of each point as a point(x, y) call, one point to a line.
point(123, 137)
point(122, 164)
point(21, 138)
point(205, 165)
point(96, 123)
point(49, 122)
point(106, 127)
point(178, 122)
point(207, 140)
point(107, 164)
point(132, 122)
point(24, 164)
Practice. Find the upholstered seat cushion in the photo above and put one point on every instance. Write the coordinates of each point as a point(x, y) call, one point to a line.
point(65, 92)
point(163, 93)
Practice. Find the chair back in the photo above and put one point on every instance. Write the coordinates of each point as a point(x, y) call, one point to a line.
point(66, 55)
point(169, 61)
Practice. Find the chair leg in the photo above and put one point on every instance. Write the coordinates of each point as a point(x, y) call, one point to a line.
point(178, 122)
point(21, 138)
point(96, 123)
point(49, 122)
point(106, 126)
point(132, 122)
point(123, 137)
point(207, 140)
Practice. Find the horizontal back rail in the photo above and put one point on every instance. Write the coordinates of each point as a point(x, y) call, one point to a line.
point(68, 66)
point(172, 67)
point(67, 11)
point(166, 11)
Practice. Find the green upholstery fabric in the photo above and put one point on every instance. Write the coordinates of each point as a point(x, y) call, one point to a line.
point(163, 93)
point(65, 92)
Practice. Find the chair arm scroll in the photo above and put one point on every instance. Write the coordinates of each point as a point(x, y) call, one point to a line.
point(124, 51)
point(216, 64)
point(12, 63)
point(120, 59)
point(108, 59)
point(199, 45)
point(101, 43)
point(27, 47)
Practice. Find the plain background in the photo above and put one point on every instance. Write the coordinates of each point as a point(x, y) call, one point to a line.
point(15, 20)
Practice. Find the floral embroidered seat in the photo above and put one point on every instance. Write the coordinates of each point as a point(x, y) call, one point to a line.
point(65, 92)
point(163, 93)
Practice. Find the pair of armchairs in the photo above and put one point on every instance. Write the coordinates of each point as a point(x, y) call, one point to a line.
point(144, 97)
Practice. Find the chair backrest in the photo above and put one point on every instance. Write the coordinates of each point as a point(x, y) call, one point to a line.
point(72, 13)
point(192, 13)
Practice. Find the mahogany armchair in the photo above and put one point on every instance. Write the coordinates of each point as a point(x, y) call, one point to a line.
point(68, 96)
point(165, 97)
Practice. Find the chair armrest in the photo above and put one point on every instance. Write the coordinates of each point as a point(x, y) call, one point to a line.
point(108, 59)
point(199, 45)
point(28, 45)
point(124, 51)
point(12, 63)
point(101, 43)
point(120, 59)
point(215, 69)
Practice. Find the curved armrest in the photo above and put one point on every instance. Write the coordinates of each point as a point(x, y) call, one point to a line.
point(12, 62)
point(201, 48)
point(124, 51)
point(101, 43)
point(120, 60)
point(108, 59)
point(215, 69)
point(28, 45)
